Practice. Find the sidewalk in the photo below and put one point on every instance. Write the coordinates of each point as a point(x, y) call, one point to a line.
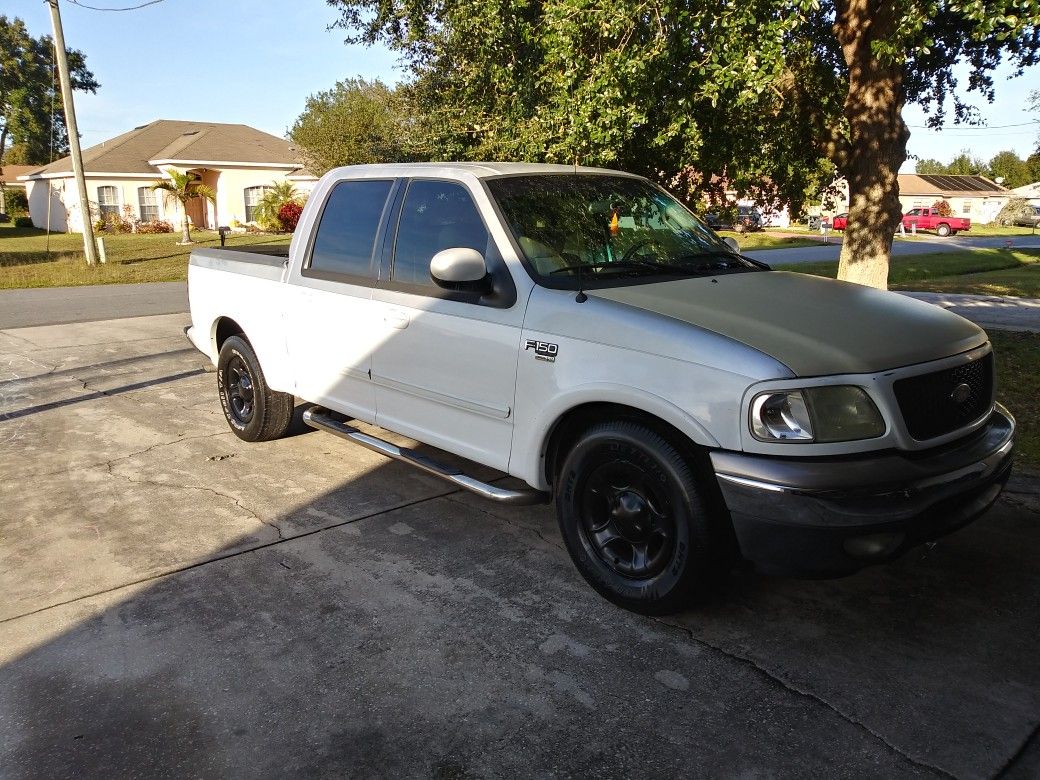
point(990, 311)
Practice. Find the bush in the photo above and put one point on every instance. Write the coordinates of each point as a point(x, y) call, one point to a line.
point(17, 202)
point(23, 222)
point(156, 226)
point(943, 207)
point(1015, 208)
point(289, 215)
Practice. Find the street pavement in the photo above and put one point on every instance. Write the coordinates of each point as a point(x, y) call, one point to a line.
point(59, 305)
point(180, 603)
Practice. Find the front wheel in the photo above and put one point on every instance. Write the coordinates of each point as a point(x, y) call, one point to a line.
point(634, 519)
point(943, 230)
point(254, 411)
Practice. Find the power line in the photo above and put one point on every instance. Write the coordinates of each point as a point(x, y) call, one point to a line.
point(128, 8)
point(969, 127)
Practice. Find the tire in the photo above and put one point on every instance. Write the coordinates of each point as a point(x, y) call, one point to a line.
point(943, 230)
point(254, 411)
point(635, 520)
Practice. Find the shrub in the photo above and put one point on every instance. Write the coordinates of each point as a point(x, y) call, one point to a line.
point(156, 226)
point(1015, 208)
point(23, 222)
point(289, 215)
point(265, 215)
point(17, 202)
point(943, 207)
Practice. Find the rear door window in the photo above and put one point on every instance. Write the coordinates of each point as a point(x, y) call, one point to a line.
point(346, 234)
point(436, 215)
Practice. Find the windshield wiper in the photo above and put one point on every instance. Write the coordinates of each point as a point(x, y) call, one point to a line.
point(623, 265)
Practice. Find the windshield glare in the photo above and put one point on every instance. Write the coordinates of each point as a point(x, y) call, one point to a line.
point(610, 227)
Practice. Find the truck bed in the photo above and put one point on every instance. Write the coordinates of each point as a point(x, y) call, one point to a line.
point(266, 261)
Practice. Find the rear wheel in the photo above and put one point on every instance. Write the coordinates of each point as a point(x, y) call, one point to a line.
point(254, 411)
point(634, 519)
point(943, 230)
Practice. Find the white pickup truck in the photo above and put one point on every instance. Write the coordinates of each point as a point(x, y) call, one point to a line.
point(582, 331)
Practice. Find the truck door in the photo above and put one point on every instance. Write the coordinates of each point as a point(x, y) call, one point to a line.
point(445, 368)
point(333, 326)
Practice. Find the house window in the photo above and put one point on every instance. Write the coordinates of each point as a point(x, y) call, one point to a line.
point(966, 207)
point(148, 204)
point(253, 196)
point(108, 201)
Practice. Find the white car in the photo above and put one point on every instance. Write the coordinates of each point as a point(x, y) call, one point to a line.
point(581, 330)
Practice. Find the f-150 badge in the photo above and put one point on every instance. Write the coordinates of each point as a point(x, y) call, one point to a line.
point(543, 350)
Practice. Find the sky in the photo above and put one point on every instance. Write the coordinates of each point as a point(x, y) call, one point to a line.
point(255, 62)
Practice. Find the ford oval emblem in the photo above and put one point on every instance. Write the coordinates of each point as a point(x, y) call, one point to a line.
point(960, 393)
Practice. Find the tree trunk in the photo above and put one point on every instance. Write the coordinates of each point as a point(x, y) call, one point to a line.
point(876, 144)
point(185, 228)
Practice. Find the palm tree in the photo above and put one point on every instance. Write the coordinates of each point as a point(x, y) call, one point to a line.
point(275, 196)
point(184, 187)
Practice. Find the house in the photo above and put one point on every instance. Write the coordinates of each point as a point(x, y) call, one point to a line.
point(975, 197)
point(237, 161)
point(1031, 192)
point(9, 181)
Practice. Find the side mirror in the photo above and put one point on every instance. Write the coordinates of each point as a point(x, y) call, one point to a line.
point(731, 243)
point(460, 268)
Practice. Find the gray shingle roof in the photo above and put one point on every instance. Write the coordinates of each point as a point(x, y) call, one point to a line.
point(169, 139)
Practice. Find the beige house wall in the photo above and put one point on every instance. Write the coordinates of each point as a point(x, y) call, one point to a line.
point(229, 182)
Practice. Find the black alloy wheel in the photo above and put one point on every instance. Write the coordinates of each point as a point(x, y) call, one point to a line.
point(253, 410)
point(635, 518)
point(240, 390)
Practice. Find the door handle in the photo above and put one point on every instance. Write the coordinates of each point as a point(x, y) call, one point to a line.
point(396, 319)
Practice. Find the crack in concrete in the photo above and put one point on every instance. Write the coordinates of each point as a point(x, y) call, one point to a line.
point(792, 688)
point(236, 501)
point(1017, 755)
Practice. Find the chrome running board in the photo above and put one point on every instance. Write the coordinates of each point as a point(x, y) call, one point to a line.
point(322, 420)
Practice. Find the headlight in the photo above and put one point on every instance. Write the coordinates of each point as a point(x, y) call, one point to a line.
point(820, 414)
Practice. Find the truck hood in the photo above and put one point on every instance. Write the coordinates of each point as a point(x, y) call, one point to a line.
point(812, 325)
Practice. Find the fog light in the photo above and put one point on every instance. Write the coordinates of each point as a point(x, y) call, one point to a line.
point(874, 545)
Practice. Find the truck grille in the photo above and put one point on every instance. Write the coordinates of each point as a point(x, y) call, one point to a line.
point(935, 404)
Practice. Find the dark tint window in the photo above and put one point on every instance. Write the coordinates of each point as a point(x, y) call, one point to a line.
point(436, 215)
point(348, 228)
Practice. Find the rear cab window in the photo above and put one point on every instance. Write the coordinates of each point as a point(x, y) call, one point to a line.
point(345, 239)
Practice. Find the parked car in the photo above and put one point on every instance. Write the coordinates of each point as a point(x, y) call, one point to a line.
point(839, 221)
point(1028, 217)
point(931, 219)
point(584, 333)
point(713, 221)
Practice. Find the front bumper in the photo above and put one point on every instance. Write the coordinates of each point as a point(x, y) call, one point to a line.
point(833, 516)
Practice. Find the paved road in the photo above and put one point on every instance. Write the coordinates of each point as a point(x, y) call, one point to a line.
point(58, 305)
point(180, 603)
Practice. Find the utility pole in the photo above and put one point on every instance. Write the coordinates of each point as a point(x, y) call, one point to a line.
point(89, 248)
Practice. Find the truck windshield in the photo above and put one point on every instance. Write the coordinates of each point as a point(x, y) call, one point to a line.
point(609, 229)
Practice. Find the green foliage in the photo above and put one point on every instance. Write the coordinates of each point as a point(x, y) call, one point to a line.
point(1006, 165)
point(17, 202)
point(353, 123)
point(29, 87)
point(184, 187)
point(1011, 168)
point(265, 214)
point(23, 222)
point(930, 166)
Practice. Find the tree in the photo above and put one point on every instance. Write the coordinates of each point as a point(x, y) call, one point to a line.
point(930, 166)
point(29, 92)
point(1009, 167)
point(755, 93)
point(355, 122)
point(184, 188)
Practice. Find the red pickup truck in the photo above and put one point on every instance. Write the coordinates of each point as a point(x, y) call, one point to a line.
point(930, 219)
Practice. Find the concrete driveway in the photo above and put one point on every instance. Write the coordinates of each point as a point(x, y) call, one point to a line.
point(179, 603)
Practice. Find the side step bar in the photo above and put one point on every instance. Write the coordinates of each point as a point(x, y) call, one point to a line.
point(322, 420)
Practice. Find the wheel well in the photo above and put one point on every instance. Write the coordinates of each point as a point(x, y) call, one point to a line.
point(579, 419)
point(227, 327)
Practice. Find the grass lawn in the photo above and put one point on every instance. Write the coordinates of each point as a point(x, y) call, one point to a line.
point(1018, 388)
point(763, 239)
point(25, 261)
point(975, 271)
point(998, 230)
